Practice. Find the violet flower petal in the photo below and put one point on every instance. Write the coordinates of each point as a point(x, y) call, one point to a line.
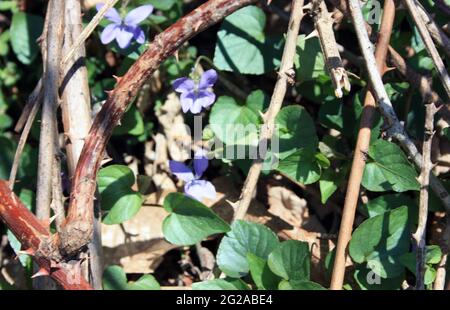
point(200, 162)
point(109, 33)
point(139, 35)
point(183, 84)
point(199, 189)
point(187, 101)
point(196, 107)
point(111, 14)
point(205, 98)
point(139, 14)
point(124, 37)
point(208, 79)
point(181, 171)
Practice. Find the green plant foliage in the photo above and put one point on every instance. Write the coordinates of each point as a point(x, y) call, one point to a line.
point(388, 168)
point(114, 278)
point(189, 220)
point(300, 285)
point(237, 124)
point(433, 257)
point(291, 260)
point(25, 30)
point(119, 200)
point(242, 46)
point(227, 284)
point(261, 274)
point(380, 241)
point(301, 166)
point(244, 238)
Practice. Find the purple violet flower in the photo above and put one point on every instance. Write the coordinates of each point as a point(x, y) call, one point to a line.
point(123, 30)
point(196, 95)
point(194, 187)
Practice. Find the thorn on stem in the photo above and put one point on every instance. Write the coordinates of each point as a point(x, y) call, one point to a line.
point(41, 272)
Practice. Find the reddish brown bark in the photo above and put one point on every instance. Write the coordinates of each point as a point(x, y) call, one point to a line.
point(36, 240)
point(77, 229)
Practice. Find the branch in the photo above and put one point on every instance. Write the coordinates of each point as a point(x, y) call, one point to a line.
point(439, 283)
point(419, 235)
point(361, 148)
point(76, 112)
point(438, 35)
point(287, 62)
point(413, 8)
point(77, 229)
point(37, 241)
point(323, 22)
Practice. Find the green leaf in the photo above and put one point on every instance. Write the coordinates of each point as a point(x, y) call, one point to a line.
point(433, 256)
point(368, 280)
point(118, 198)
point(238, 124)
point(291, 260)
point(131, 123)
point(380, 241)
point(242, 46)
point(301, 166)
point(25, 30)
point(189, 220)
point(331, 180)
point(309, 59)
point(295, 130)
point(226, 284)
point(300, 285)
point(114, 278)
point(146, 282)
point(385, 203)
point(244, 238)
point(261, 274)
point(162, 5)
point(388, 169)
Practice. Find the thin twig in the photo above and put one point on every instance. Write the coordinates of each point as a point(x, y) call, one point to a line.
point(35, 103)
point(419, 235)
point(418, 81)
point(87, 31)
point(438, 35)
point(287, 62)
point(361, 148)
point(323, 22)
point(413, 8)
point(50, 103)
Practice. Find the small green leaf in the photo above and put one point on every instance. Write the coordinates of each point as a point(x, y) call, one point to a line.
point(146, 282)
point(385, 203)
point(301, 166)
point(131, 123)
point(114, 278)
point(242, 46)
point(295, 130)
point(291, 260)
point(189, 220)
point(118, 199)
point(309, 60)
point(433, 256)
point(388, 169)
point(238, 124)
point(25, 30)
point(330, 181)
point(261, 274)
point(244, 238)
point(368, 280)
point(380, 241)
point(226, 284)
point(303, 285)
